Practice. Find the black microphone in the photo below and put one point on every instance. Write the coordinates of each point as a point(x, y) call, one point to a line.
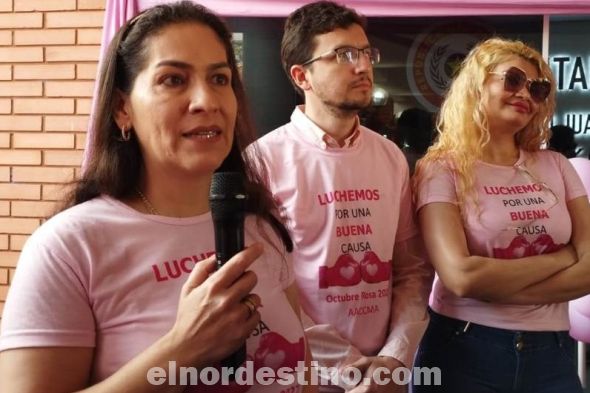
point(227, 201)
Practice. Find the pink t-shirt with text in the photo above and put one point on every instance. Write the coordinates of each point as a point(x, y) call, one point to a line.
point(522, 212)
point(347, 209)
point(103, 275)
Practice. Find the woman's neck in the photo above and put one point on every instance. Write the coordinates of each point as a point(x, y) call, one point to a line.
point(501, 152)
point(172, 198)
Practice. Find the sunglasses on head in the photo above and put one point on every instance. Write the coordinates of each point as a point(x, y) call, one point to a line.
point(515, 79)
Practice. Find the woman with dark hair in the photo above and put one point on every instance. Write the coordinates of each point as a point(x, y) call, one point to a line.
point(121, 281)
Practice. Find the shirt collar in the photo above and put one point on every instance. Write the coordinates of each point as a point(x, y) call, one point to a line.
point(320, 137)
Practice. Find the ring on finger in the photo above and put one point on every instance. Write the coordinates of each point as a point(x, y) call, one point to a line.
point(250, 304)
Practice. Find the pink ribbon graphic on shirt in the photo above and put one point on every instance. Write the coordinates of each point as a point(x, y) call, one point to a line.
point(347, 272)
point(520, 247)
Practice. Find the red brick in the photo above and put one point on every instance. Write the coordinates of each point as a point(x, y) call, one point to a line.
point(72, 53)
point(4, 140)
point(17, 242)
point(5, 5)
point(89, 36)
point(43, 141)
point(4, 288)
point(42, 175)
point(20, 191)
point(23, 226)
point(54, 192)
point(5, 72)
point(6, 37)
point(5, 105)
point(20, 157)
point(43, 105)
point(21, 89)
point(81, 141)
point(62, 157)
point(86, 71)
point(74, 19)
point(45, 37)
point(4, 209)
point(20, 123)
point(83, 106)
point(91, 4)
point(4, 242)
point(44, 71)
point(44, 5)
point(3, 274)
point(21, 20)
point(69, 89)
point(21, 55)
point(4, 174)
point(66, 123)
point(32, 209)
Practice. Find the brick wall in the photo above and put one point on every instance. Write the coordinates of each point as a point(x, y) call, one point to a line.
point(48, 57)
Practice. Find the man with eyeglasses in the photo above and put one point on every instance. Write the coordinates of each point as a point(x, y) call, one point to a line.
point(345, 193)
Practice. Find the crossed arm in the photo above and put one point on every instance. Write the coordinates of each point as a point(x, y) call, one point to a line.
point(547, 278)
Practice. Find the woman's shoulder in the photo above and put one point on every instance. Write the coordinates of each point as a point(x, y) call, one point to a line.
point(260, 230)
point(275, 264)
point(546, 157)
point(80, 221)
point(432, 166)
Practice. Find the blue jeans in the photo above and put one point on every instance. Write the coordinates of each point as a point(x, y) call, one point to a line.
point(480, 359)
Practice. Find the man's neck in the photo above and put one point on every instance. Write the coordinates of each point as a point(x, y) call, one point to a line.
point(338, 125)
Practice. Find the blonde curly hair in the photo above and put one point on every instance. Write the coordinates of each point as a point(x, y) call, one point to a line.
point(462, 123)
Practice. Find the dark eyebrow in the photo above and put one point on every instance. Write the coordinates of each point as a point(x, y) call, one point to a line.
point(181, 64)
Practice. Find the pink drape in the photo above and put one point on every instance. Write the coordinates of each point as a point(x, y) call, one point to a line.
point(399, 7)
point(119, 11)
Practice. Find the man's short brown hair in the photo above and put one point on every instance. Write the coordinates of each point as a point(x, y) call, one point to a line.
point(309, 21)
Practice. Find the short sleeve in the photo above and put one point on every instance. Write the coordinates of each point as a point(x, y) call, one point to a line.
point(574, 188)
point(47, 304)
point(436, 184)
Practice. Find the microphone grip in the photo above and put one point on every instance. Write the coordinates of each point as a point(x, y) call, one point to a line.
point(229, 240)
point(235, 360)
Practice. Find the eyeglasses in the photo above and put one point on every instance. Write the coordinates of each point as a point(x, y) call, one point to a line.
point(348, 55)
point(549, 195)
point(515, 79)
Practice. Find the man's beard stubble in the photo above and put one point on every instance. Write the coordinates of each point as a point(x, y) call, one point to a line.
point(347, 108)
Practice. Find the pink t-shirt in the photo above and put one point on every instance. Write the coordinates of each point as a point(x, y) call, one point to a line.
point(347, 208)
point(103, 275)
point(522, 212)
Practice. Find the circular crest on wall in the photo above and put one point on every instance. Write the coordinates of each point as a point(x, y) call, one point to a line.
point(436, 55)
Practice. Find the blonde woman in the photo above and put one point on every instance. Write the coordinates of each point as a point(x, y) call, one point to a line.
point(503, 222)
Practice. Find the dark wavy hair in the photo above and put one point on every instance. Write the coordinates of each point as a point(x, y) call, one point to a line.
point(305, 23)
point(115, 167)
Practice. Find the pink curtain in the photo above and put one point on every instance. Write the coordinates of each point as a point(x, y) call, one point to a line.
point(399, 7)
point(119, 11)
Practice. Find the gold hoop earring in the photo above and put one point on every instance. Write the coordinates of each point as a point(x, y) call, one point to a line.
point(125, 134)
